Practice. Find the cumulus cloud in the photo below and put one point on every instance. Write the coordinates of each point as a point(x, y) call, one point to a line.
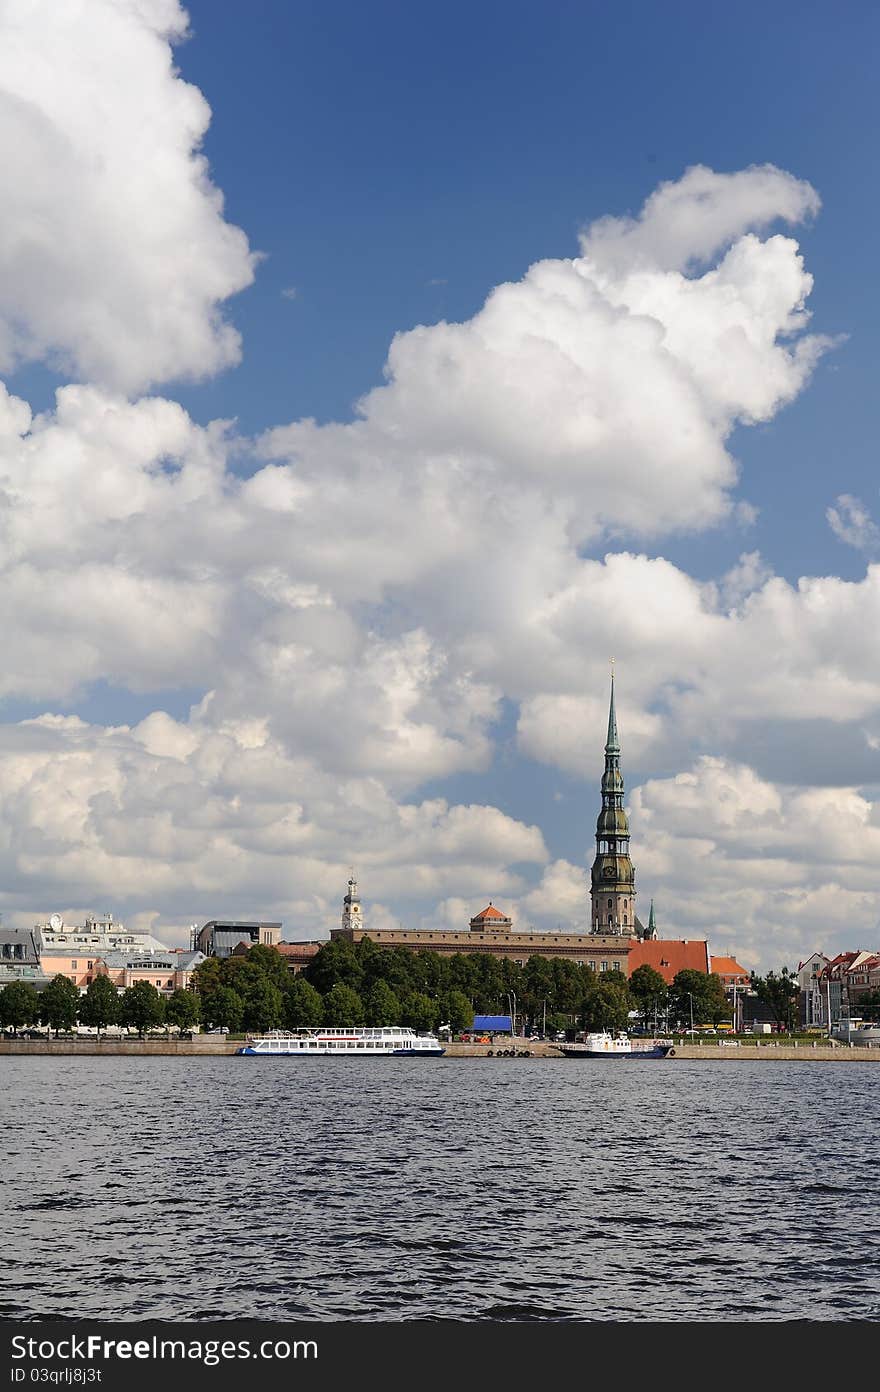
point(115, 258)
point(772, 870)
point(357, 609)
point(686, 221)
point(852, 523)
point(195, 821)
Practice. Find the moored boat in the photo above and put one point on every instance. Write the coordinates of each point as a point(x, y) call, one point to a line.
point(376, 1041)
point(603, 1044)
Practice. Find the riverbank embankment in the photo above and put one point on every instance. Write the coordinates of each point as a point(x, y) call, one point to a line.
point(206, 1047)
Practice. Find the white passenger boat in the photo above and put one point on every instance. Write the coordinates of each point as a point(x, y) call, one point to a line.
point(351, 1042)
point(603, 1044)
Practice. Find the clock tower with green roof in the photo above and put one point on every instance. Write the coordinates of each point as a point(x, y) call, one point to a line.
point(613, 881)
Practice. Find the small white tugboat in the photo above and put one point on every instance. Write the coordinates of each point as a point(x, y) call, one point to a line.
point(602, 1044)
point(378, 1041)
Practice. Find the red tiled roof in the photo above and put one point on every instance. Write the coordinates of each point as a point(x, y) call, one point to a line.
point(490, 912)
point(670, 955)
point(728, 966)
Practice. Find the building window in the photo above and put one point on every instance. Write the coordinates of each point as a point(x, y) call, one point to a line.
point(603, 966)
point(74, 965)
point(611, 903)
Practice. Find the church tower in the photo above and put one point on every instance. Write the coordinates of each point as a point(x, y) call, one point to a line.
point(613, 881)
point(351, 906)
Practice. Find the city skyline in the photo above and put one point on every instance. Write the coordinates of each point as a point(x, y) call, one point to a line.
point(325, 506)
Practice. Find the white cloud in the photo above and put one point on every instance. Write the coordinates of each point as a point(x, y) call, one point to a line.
point(356, 610)
point(115, 258)
point(193, 822)
point(852, 523)
point(769, 870)
point(687, 221)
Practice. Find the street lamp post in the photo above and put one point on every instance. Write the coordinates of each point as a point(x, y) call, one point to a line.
point(512, 1011)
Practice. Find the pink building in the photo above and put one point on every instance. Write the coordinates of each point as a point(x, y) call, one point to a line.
point(168, 971)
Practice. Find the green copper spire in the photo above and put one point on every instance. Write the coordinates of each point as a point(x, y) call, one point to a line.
point(612, 744)
point(612, 880)
point(652, 927)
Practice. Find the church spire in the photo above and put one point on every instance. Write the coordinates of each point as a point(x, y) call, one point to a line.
point(652, 926)
point(612, 744)
point(612, 880)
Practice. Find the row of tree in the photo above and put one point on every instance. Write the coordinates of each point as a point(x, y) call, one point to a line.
point(61, 1007)
point(359, 983)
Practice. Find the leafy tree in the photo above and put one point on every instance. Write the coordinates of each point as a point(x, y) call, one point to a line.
point(343, 1006)
point(223, 1006)
point(271, 963)
point(208, 976)
point(183, 1009)
point(488, 980)
point(709, 1001)
point(99, 1006)
point(418, 1011)
point(455, 1010)
point(337, 962)
point(303, 1005)
point(142, 1006)
point(59, 1004)
point(263, 1006)
point(606, 1006)
point(19, 1005)
point(430, 972)
point(569, 984)
point(649, 990)
point(382, 1005)
point(780, 993)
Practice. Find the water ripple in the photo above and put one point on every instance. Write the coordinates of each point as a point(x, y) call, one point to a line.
point(213, 1189)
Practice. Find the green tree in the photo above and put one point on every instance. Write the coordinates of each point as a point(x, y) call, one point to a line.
point(606, 1006)
point(337, 962)
point(343, 1006)
point(222, 1007)
point(455, 1010)
point(648, 990)
point(303, 1005)
point(263, 1007)
point(19, 1005)
point(142, 1006)
point(99, 1007)
point(208, 976)
point(271, 963)
point(710, 1005)
point(418, 1011)
point(780, 992)
point(183, 1009)
point(59, 1004)
point(382, 1005)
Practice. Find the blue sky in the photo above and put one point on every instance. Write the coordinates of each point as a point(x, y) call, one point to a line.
point(371, 151)
point(390, 165)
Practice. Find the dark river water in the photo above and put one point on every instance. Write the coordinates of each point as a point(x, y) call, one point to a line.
point(476, 1189)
